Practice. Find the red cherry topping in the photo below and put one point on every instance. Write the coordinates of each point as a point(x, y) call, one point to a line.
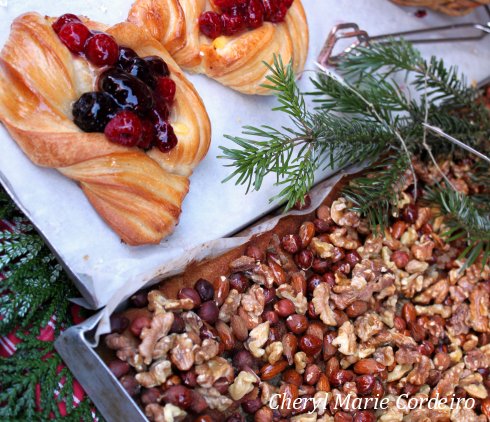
point(166, 89)
point(147, 134)
point(64, 19)
point(232, 24)
point(227, 4)
point(165, 139)
point(102, 50)
point(210, 24)
point(255, 14)
point(125, 129)
point(275, 10)
point(74, 35)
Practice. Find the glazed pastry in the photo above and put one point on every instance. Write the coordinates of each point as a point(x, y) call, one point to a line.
point(228, 40)
point(112, 111)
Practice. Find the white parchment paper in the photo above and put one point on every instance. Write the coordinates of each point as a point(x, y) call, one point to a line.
point(103, 266)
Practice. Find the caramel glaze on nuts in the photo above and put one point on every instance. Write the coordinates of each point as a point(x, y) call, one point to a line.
point(327, 308)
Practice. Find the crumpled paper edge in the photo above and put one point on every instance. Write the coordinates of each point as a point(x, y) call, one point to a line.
point(209, 250)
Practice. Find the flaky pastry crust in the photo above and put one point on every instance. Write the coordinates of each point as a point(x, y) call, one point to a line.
point(138, 194)
point(235, 61)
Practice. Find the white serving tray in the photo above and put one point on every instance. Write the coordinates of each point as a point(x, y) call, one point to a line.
point(100, 264)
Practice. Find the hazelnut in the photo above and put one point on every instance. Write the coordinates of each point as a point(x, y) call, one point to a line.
point(119, 323)
point(314, 281)
point(292, 377)
point(304, 259)
point(312, 374)
point(364, 416)
point(205, 289)
point(251, 406)
point(130, 384)
point(353, 258)
point(410, 213)
point(139, 300)
point(264, 414)
point(139, 323)
point(119, 367)
point(209, 312)
point(178, 326)
point(400, 258)
point(178, 395)
point(320, 266)
point(269, 295)
point(368, 366)
point(321, 226)
point(340, 377)
point(243, 360)
point(342, 416)
point(270, 316)
point(284, 308)
point(329, 278)
point(239, 282)
point(189, 378)
point(151, 395)
point(356, 308)
point(297, 323)
point(310, 344)
point(255, 252)
point(365, 384)
point(291, 243)
point(306, 233)
point(190, 293)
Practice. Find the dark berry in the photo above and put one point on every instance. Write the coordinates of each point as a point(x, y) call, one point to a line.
point(255, 14)
point(140, 69)
point(210, 24)
point(74, 35)
point(275, 10)
point(147, 134)
point(93, 110)
point(232, 24)
point(128, 91)
point(165, 89)
point(64, 19)
point(160, 112)
point(125, 55)
point(102, 50)
point(124, 129)
point(157, 66)
point(205, 289)
point(226, 4)
point(165, 139)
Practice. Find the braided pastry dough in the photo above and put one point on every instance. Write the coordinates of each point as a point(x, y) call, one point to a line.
point(235, 61)
point(138, 194)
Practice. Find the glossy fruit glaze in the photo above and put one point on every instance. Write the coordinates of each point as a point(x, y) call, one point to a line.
point(135, 94)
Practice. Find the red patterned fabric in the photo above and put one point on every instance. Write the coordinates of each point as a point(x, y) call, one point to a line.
point(8, 346)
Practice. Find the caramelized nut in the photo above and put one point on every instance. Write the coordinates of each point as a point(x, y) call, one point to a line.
point(239, 282)
point(119, 367)
point(306, 233)
point(239, 327)
point(190, 293)
point(297, 323)
point(284, 308)
point(268, 371)
point(291, 243)
point(367, 367)
point(400, 258)
point(138, 324)
point(311, 345)
point(292, 377)
point(312, 374)
point(356, 308)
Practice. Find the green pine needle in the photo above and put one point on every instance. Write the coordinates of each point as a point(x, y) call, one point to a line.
point(466, 219)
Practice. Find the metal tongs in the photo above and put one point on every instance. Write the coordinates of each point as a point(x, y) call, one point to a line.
point(470, 31)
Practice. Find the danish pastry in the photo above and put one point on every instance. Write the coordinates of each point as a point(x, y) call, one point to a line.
point(110, 110)
point(228, 40)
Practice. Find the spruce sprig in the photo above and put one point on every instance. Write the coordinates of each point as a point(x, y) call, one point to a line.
point(467, 219)
point(314, 141)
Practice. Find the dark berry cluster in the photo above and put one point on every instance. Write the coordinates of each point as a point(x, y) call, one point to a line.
point(131, 106)
point(239, 15)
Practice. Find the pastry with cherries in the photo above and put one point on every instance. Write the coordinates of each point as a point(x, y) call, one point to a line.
point(109, 108)
point(228, 40)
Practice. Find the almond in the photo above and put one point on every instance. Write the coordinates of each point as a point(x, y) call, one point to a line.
point(267, 372)
point(368, 367)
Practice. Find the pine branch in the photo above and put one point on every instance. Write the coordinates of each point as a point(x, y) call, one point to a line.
point(315, 141)
point(466, 219)
point(376, 194)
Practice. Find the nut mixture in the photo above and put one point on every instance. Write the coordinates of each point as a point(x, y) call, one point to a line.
point(329, 311)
